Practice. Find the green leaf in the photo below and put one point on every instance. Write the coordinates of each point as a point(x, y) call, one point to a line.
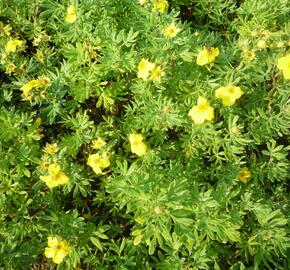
point(122, 246)
point(97, 243)
point(152, 246)
point(80, 91)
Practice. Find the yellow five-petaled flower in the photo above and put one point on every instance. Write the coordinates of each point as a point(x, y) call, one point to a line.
point(138, 147)
point(50, 148)
point(10, 68)
point(71, 14)
point(12, 45)
point(31, 84)
point(284, 65)
point(56, 249)
point(98, 143)
point(36, 83)
point(55, 176)
point(229, 94)
point(98, 162)
point(202, 111)
point(249, 55)
point(171, 30)
point(156, 74)
point(144, 68)
point(160, 5)
point(244, 174)
point(207, 55)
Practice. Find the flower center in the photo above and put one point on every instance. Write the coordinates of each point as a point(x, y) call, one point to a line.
point(57, 177)
point(202, 107)
point(210, 51)
point(244, 174)
point(171, 30)
point(231, 90)
point(142, 66)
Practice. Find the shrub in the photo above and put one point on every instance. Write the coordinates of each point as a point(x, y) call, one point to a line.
point(144, 134)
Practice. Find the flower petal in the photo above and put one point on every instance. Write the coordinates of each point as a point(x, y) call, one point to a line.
point(52, 242)
point(45, 178)
point(62, 178)
point(219, 92)
point(139, 148)
point(53, 169)
point(58, 256)
point(49, 252)
point(196, 116)
point(202, 58)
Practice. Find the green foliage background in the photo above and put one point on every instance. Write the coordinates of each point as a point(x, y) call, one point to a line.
point(181, 206)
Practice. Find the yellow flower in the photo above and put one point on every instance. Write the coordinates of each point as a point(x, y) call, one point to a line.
point(144, 67)
point(10, 68)
point(71, 14)
point(142, 2)
point(36, 41)
point(280, 44)
point(158, 210)
point(98, 144)
point(249, 55)
point(244, 174)
point(171, 30)
point(261, 44)
point(51, 148)
point(31, 84)
point(161, 5)
point(234, 130)
point(98, 163)
point(12, 45)
point(265, 34)
point(138, 147)
point(202, 111)
point(229, 94)
point(55, 177)
point(57, 249)
point(207, 55)
point(26, 89)
point(39, 56)
point(45, 81)
point(156, 74)
point(284, 65)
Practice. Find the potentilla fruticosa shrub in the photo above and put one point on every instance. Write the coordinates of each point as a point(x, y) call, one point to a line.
point(144, 134)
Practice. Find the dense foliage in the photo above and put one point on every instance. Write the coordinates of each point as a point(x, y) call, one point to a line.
point(144, 134)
